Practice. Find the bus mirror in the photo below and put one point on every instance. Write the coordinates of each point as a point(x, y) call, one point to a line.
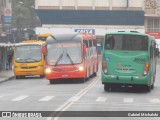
point(43, 49)
point(84, 48)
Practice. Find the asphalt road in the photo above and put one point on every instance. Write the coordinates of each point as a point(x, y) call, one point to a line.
point(35, 94)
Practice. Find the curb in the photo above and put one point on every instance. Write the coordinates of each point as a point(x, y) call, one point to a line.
point(6, 79)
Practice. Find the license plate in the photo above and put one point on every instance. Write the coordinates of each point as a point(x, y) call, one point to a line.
point(64, 75)
point(125, 71)
point(29, 73)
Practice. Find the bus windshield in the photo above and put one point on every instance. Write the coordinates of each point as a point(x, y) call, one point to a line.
point(64, 53)
point(126, 42)
point(28, 53)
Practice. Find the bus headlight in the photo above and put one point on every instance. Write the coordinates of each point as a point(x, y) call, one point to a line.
point(48, 70)
point(80, 68)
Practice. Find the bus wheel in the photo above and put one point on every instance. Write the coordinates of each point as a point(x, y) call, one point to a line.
point(82, 80)
point(17, 77)
point(52, 81)
point(41, 76)
point(152, 86)
point(148, 88)
point(22, 76)
point(95, 74)
point(106, 87)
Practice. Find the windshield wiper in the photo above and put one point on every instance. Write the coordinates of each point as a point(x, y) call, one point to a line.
point(28, 59)
point(70, 58)
point(59, 58)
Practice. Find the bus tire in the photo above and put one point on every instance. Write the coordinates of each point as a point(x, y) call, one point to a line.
point(52, 81)
point(106, 87)
point(41, 76)
point(17, 77)
point(22, 76)
point(148, 88)
point(152, 86)
point(82, 80)
point(95, 74)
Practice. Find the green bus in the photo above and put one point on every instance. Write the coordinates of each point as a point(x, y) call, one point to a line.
point(128, 60)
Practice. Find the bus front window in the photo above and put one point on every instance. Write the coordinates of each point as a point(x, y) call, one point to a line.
point(42, 38)
point(28, 53)
point(64, 53)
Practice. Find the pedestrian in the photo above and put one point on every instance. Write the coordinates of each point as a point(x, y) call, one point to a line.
point(9, 57)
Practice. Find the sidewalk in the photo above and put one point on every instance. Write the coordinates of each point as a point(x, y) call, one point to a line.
point(6, 75)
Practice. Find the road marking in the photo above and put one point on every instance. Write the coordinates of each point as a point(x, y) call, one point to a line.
point(20, 98)
point(74, 99)
point(70, 101)
point(101, 99)
point(155, 100)
point(83, 91)
point(128, 100)
point(46, 98)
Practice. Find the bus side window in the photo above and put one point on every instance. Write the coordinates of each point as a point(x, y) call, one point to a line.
point(90, 46)
point(94, 42)
point(87, 45)
point(144, 43)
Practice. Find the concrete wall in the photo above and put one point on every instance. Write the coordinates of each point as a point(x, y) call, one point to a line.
point(89, 4)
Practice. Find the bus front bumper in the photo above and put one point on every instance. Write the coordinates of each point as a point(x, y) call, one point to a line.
point(29, 72)
point(64, 75)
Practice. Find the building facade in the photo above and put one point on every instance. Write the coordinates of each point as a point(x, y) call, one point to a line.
point(5, 21)
point(98, 16)
point(5, 31)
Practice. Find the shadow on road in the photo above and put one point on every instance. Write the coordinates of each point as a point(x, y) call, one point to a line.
point(131, 89)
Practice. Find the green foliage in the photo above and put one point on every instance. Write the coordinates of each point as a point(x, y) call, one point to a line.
point(22, 13)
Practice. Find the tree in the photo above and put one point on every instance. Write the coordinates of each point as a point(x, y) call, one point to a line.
point(23, 16)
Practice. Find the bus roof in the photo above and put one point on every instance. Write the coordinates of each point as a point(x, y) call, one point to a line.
point(131, 33)
point(69, 37)
point(30, 42)
point(44, 35)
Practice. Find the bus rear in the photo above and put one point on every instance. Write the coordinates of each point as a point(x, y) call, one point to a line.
point(28, 59)
point(128, 60)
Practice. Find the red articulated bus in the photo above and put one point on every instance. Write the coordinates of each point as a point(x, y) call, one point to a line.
point(70, 56)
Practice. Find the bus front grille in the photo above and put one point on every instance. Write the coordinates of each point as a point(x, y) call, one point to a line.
point(29, 67)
